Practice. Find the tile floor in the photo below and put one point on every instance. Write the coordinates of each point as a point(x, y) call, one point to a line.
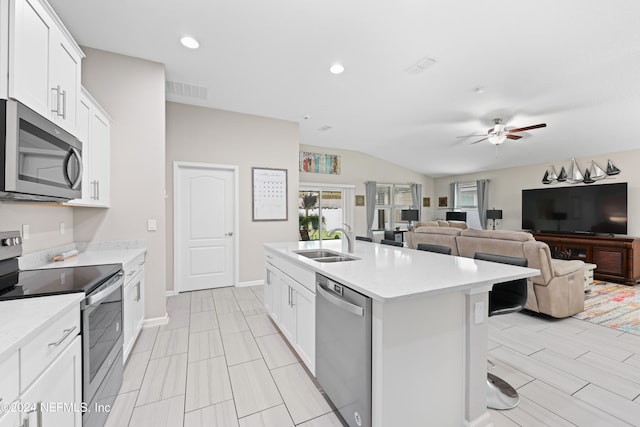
point(221, 362)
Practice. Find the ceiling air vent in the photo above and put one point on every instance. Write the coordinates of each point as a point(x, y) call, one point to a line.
point(324, 128)
point(421, 65)
point(186, 90)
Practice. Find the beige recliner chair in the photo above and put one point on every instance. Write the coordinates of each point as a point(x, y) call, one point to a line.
point(559, 289)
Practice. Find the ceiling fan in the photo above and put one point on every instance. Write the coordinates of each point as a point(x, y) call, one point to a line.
point(497, 134)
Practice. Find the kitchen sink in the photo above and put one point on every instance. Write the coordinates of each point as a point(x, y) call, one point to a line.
point(325, 255)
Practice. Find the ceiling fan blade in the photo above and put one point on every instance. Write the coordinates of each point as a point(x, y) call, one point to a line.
point(469, 136)
point(480, 140)
point(513, 137)
point(541, 125)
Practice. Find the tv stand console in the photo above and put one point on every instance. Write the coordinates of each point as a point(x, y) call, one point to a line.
point(617, 258)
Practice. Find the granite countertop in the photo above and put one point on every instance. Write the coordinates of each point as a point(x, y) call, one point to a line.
point(387, 273)
point(21, 319)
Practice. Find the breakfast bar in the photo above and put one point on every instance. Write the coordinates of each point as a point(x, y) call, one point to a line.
point(429, 326)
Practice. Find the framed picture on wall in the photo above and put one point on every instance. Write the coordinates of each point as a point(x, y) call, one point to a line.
point(360, 200)
point(269, 194)
point(442, 202)
point(426, 202)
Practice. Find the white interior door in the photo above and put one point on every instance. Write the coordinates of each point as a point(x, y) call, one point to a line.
point(205, 226)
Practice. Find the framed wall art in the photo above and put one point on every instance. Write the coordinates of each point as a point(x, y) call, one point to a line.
point(319, 163)
point(442, 202)
point(269, 191)
point(360, 200)
point(426, 202)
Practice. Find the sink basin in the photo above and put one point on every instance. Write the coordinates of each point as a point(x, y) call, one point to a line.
point(318, 253)
point(324, 255)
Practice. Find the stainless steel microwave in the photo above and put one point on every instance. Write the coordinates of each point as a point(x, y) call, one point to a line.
point(40, 161)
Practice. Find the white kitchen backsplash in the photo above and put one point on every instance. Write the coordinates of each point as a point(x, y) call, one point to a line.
point(37, 259)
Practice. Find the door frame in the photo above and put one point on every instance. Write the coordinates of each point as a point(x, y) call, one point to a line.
point(348, 193)
point(177, 166)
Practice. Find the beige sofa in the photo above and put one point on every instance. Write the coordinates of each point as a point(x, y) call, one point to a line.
point(557, 291)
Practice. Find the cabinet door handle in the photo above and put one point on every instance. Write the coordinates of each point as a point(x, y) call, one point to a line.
point(98, 185)
point(64, 105)
point(66, 333)
point(138, 291)
point(292, 297)
point(57, 91)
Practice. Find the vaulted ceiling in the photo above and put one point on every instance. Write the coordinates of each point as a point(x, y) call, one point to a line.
point(572, 64)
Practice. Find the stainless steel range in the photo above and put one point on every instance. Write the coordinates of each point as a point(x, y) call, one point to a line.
point(101, 321)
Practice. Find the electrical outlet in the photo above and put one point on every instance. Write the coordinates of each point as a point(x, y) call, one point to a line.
point(25, 231)
point(152, 225)
point(61, 228)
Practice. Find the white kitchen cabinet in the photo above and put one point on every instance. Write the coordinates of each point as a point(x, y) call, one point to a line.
point(55, 398)
point(291, 305)
point(9, 389)
point(133, 310)
point(93, 131)
point(44, 62)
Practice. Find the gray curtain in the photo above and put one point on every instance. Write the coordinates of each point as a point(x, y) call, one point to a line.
point(452, 195)
point(416, 192)
point(482, 188)
point(370, 201)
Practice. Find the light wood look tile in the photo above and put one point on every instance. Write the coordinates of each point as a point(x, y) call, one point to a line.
point(278, 416)
point(122, 409)
point(134, 371)
point(253, 388)
point(621, 369)
point(514, 377)
point(251, 305)
point(582, 340)
point(300, 394)
point(544, 371)
point(560, 345)
point(165, 378)
point(232, 322)
point(164, 413)
point(179, 302)
point(177, 319)
point(595, 374)
point(243, 293)
point(226, 304)
point(170, 342)
point(203, 321)
point(568, 407)
point(529, 413)
point(202, 301)
point(240, 347)
point(498, 419)
point(207, 383)
point(633, 360)
point(327, 420)
point(222, 414)
point(611, 403)
point(261, 325)
point(506, 338)
point(205, 345)
point(146, 340)
point(275, 351)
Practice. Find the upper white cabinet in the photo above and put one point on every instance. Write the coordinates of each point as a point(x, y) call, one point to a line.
point(94, 132)
point(44, 63)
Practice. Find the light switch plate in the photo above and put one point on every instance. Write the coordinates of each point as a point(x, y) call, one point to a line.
point(152, 225)
point(478, 313)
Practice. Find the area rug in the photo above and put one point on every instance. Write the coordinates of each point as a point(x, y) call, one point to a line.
point(613, 305)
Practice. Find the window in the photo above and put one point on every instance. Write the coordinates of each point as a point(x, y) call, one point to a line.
point(466, 195)
point(391, 199)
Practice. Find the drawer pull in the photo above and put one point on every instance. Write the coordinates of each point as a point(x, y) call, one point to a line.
point(131, 273)
point(66, 333)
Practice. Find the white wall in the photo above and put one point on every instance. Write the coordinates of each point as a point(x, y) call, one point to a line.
point(44, 223)
point(506, 185)
point(132, 91)
point(358, 168)
point(204, 135)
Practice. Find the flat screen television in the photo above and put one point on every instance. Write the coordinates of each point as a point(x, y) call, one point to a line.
point(592, 209)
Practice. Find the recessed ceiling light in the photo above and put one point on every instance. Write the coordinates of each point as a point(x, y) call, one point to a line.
point(190, 42)
point(336, 68)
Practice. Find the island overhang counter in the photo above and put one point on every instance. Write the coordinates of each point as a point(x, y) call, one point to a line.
point(429, 324)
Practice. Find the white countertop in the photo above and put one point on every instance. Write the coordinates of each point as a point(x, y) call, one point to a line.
point(95, 257)
point(387, 273)
point(21, 319)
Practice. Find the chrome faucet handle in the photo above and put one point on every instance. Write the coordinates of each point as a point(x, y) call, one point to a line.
point(347, 227)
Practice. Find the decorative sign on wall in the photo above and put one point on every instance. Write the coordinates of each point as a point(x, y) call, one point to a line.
point(319, 163)
point(426, 202)
point(270, 202)
point(360, 200)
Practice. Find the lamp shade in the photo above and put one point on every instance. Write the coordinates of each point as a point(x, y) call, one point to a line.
point(409, 214)
point(494, 213)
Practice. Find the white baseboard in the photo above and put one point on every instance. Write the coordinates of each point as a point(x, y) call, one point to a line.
point(156, 321)
point(171, 293)
point(251, 283)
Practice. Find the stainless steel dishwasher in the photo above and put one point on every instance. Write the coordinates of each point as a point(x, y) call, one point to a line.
point(343, 349)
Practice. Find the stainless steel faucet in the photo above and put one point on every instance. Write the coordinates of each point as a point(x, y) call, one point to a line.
point(347, 233)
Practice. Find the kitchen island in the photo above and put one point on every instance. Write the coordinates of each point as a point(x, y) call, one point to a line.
point(429, 325)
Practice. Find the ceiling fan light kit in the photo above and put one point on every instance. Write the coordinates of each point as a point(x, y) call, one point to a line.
point(591, 175)
point(499, 132)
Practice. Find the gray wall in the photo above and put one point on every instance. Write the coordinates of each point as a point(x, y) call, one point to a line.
point(204, 135)
point(132, 91)
point(44, 223)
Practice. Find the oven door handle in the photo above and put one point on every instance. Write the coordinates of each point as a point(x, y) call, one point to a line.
point(103, 294)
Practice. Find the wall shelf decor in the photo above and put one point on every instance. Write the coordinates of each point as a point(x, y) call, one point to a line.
point(319, 163)
point(269, 188)
point(575, 176)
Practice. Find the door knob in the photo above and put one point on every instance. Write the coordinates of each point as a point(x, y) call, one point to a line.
point(229, 234)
